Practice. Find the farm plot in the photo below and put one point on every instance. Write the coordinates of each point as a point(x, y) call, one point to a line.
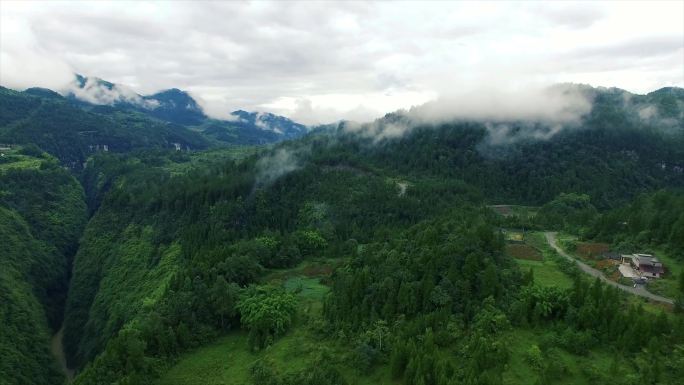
point(523, 251)
point(592, 250)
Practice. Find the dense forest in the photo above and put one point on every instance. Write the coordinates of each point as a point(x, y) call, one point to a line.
point(655, 219)
point(157, 253)
point(42, 214)
point(73, 128)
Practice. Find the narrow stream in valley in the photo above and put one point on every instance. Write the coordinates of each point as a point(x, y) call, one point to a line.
point(58, 351)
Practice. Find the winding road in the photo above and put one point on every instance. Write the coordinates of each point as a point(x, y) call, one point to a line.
point(639, 290)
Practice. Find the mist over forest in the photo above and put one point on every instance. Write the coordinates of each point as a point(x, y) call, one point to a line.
point(341, 193)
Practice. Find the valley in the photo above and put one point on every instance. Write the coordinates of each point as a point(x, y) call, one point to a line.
point(335, 258)
point(332, 192)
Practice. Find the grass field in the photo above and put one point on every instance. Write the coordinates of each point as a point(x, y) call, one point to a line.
point(228, 360)
point(576, 369)
point(546, 271)
point(306, 287)
point(667, 286)
point(13, 159)
point(199, 160)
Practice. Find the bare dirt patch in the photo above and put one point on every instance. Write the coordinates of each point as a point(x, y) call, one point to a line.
point(592, 250)
point(605, 264)
point(317, 270)
point(502, 210)
point(524, 252)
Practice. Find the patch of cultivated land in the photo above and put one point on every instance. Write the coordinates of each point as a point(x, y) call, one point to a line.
point(523, 251)
point(590, 253)
point(546, 273)
point(531, 255)
point(592, 250)
point(517, 210)
point(13, 159)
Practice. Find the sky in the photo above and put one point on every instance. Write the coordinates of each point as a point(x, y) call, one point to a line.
point(319, 62)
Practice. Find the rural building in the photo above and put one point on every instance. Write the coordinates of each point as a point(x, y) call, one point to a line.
point(646, 265)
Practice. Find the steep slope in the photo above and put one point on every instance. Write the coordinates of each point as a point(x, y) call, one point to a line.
point(178, 107)
point(24, 341)
point(175, 106)
point(165, 256)
point(42, 213)
point(72, 134)
point(255, 128)
point(613, 153)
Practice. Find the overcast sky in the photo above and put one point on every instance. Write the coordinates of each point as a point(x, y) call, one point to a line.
point(322, 61)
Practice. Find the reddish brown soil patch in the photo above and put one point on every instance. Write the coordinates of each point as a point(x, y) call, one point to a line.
point(592, 250)
point(605, 263)
point(502, 210)
point(615, 276)
point(523, 252)
point(317, 270)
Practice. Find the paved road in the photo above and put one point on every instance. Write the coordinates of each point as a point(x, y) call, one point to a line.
point(639, 290)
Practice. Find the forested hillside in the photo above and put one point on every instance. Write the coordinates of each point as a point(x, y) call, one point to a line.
point(655, 219)
point(178, 107)
point(612, 154)
point(42, 214)
point(414, 284)
point(72, 134)
point(98, 118)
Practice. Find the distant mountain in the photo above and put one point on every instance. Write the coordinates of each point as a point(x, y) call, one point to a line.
point(269, 122)
point(174, 105)
point(70, 133)
point(43, 92)
point(94, 115)
point(177, 106)
point(253, 128)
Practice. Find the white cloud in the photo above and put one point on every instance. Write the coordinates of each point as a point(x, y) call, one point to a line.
point(96, 92)
point(322, 61)
point(276, 164)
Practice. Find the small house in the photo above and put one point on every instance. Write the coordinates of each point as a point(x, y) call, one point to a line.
point(647, 265)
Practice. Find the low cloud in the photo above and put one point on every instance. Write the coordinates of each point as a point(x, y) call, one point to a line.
point(652, 115)
point(95, 91)
point(261, 121)
point(561, 104)
point(276, 164)
point(508, 116)
point(351, 60)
